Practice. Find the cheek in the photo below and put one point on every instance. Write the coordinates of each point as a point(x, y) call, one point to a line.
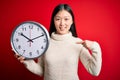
point(69, 25)
point(56, 24)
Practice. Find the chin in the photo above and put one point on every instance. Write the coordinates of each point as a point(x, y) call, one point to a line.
point(62, 32)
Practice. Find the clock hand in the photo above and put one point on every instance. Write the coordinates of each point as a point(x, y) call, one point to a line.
point(26, 37)
point(36, 37)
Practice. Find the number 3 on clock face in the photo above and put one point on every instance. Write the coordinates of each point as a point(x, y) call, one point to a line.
point(30, 39)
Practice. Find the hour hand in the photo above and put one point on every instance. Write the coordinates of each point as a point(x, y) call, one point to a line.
point(25, 37)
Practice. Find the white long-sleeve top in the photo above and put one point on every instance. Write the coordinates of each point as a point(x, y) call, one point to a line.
point(60, 62)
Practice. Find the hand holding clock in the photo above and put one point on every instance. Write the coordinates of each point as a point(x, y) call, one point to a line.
point(20, 58)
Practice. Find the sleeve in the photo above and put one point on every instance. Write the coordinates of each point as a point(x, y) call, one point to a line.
point(92, 62)
point(36, 68)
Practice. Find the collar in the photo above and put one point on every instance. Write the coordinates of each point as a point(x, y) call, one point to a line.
point(60, 37)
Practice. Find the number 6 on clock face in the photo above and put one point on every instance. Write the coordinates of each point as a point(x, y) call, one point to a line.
point(30, 39)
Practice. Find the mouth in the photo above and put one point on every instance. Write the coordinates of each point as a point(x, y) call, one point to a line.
point(62, 28)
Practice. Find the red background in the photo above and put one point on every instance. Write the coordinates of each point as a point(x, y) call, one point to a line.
point(95, 20)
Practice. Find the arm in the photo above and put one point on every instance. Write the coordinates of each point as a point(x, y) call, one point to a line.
point(36, 68)
point(92, 62)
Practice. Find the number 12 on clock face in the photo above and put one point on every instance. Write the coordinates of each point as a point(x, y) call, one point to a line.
point(30, 39)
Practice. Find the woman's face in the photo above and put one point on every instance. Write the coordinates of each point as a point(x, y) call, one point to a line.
point(63, 21)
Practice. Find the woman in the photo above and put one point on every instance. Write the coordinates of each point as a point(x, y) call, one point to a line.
point(60, 62)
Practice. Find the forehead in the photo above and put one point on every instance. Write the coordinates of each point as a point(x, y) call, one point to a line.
point(63, 13)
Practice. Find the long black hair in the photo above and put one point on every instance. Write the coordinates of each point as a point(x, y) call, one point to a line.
point(55, 11)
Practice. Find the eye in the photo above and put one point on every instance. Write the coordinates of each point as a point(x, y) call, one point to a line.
point(66, 19)
point(57, 19)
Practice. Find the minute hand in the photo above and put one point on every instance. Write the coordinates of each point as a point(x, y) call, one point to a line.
point(37, 37)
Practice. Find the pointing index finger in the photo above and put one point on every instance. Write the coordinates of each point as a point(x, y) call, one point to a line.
point(80, 42)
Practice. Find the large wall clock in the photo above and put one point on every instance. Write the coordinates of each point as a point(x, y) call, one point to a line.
point(30, 39)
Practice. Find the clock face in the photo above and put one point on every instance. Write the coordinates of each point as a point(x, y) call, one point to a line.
point(30, 40)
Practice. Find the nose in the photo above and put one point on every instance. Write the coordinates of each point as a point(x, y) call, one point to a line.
point(62, 22)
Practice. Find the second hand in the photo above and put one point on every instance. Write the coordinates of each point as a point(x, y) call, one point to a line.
point(30, 38)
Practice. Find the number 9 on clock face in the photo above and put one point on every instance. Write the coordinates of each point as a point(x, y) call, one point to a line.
point(30, 39)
